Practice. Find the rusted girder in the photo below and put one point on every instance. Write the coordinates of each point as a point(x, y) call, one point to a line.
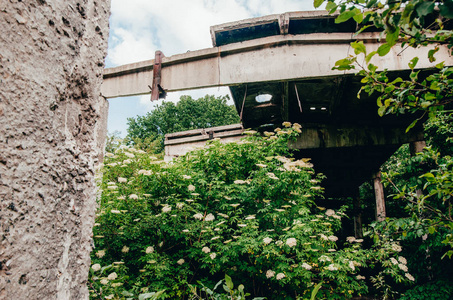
point(157, 92)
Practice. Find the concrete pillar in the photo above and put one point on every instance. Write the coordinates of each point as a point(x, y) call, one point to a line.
point(52, 133)
point(357, 211)
point(380, 199)
point(416, 147)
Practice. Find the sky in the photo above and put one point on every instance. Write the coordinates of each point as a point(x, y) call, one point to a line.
point(140, 27)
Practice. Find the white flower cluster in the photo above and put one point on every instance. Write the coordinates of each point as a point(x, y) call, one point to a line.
point(324, 258)
point(166, 208)
point(396, 248)
point(402, 260)
point(149, 250)
point(291, 242)
point(112, 276)
point(270, 274)
point(209, 217)
point(100, 253)
point(403, 267)
point(239, 181)
point(96, 267)
point(206, 249)
point(332, 267)
point(198, 216)
point(333, 238)
point(306, 266)
point(145, 172)
point(409, 276)
point(272, 176)
point(267, 240)
point(352, 239)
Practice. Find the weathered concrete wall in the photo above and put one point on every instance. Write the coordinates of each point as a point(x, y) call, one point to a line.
point(52, 128)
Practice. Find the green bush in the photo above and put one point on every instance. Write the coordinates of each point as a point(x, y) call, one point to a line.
point(245, 210)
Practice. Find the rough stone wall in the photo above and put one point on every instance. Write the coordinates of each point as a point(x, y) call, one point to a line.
point(52, 130)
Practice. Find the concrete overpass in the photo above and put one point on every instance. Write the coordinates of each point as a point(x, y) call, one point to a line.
point(279, 68)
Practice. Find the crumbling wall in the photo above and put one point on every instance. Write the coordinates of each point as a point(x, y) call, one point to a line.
point(52, 131)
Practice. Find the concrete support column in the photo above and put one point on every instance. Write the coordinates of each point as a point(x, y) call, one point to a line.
point(357, 210)
point(417, 147)
point(380, 199)
point(52, 137)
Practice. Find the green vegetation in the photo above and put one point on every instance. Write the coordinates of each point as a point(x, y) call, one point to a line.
point(148, 132)
point(421, 186)
point(243, 209)
point(246, 212)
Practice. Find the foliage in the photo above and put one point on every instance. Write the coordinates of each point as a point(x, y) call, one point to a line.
point(438, 290)
point(187, 114)
point(243, 209)
point(113, 141)
point(439, 132)
point(421, 185)
point(414, 23)
point(229, 294)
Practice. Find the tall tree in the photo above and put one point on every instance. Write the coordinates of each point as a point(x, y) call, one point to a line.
point(187, 114)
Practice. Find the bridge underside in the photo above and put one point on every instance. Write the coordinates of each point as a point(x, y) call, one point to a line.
point(279, 68)
point(342, 134)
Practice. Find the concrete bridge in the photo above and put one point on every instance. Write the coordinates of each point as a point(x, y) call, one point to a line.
point(279, 68)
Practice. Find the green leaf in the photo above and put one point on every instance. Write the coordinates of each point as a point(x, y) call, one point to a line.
point(317, 3)
point(344, 64)
point(446, 10)
point(146, 296)
point(399, 79)
point(411, 125)
point(358, 47)
point(425, 104)
point(392, 37)
point(331, 7)
point(384, 49)
point(358, 18)
point(315, 290)
point(127, 294)
point(440, 65)
point(344, 16)
point(413, 63)
point(414, 76)
point(381, 111)
point(431, 54)
point(229, 282)
point(431, 229)
point(429, 96)
point(370, 56)
point(424, 8)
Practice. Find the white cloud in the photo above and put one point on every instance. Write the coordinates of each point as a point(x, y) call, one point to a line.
point(139, 27)
point(129, 47)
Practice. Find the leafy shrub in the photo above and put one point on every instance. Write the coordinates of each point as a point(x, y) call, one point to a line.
point(244, 210)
